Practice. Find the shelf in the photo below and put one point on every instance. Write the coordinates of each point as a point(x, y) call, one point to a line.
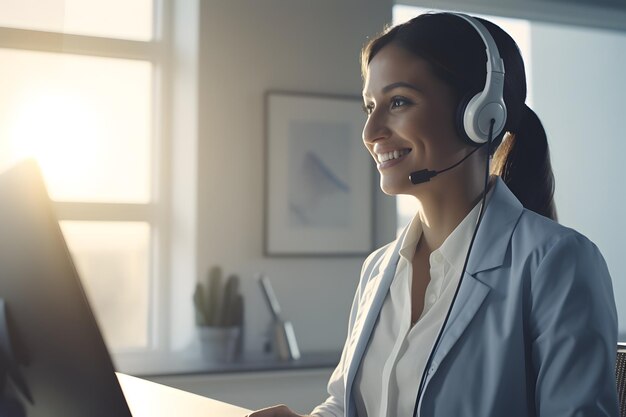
point(176, 366)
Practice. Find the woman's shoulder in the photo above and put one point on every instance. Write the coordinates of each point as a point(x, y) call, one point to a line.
point(378, 253)
point(374, 259)
point(540, 234)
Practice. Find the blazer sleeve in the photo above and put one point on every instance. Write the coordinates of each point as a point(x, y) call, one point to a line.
point(334, 404)
point(573, 328)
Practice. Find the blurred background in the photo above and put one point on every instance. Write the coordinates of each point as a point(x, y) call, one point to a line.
point(148, 120)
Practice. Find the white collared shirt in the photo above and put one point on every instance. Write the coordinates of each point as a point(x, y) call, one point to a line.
point(397, 353)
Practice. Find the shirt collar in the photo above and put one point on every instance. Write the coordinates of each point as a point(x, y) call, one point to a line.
point(454, 249)
point(411, 238)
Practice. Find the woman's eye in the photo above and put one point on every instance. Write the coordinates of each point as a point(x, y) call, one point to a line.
point(368, 108)
point(398, 102)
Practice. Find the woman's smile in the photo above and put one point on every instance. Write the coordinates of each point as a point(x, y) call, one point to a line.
point(391, 158)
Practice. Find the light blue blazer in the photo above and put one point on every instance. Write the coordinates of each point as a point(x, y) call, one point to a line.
point(532, 333)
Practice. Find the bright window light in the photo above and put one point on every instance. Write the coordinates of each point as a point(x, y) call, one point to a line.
point(89, 112)
point(87, 120)
point(123, 19)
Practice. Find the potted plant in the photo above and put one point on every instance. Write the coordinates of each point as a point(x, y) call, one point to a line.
point(219, 316)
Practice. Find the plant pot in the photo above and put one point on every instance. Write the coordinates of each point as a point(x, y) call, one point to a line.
point(219, 344)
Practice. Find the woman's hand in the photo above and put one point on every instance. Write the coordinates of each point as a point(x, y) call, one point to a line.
point(276, 411)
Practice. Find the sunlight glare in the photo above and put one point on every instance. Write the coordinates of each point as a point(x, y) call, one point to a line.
point(61, 132)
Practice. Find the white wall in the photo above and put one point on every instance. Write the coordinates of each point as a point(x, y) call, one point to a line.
point(579, 92)
point(248, 47)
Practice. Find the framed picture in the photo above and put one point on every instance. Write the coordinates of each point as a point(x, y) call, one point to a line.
point(319, 177)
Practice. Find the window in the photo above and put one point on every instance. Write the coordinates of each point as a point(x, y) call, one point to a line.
point(517, 28)
point(80, 91)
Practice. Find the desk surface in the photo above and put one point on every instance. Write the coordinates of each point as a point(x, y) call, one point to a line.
point(149, 399)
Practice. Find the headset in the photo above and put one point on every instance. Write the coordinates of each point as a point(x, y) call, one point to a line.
point(479, 119)
point(475, 113)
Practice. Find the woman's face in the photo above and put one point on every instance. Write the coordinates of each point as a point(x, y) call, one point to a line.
point(411, 119)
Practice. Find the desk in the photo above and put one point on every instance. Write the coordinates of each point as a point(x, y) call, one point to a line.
point(149, 399)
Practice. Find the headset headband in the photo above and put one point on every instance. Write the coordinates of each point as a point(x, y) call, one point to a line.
point(476, 115)
point(494, 62)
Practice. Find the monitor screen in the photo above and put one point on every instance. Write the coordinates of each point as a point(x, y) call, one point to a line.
point(51, 341)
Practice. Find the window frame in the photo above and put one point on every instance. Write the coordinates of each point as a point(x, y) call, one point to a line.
point(155, 212)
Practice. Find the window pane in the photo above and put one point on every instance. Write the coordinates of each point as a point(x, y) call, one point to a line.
point(112, 261)
point(123, 19)
point(86, 119)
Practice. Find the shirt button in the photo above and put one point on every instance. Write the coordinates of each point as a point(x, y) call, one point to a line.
point(432, 299)
point(437, 257)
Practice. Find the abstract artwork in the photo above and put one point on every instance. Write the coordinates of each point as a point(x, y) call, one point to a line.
point(319, 193)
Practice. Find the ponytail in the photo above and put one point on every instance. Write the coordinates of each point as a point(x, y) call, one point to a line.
point(523, 162)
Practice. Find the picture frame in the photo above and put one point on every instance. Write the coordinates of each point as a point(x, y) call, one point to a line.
point(319, 196)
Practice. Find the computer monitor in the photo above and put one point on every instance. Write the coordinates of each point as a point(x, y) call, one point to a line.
point(55, 343)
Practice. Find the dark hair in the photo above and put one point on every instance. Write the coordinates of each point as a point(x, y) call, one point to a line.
point(457, 55)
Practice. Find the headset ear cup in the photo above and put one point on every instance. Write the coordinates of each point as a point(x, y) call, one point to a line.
point(460, 119)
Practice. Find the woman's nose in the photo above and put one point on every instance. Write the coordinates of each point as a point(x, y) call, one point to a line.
point(375, 128)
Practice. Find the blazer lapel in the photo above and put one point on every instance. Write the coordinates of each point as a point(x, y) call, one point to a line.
point(501, 217)
point(471, 296)
point(490, 247)
point(371, 303)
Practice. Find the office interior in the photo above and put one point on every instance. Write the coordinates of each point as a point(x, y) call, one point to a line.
point(207, 68)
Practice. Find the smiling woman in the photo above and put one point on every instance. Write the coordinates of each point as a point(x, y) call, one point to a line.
point(416, 115)
point(485, 305)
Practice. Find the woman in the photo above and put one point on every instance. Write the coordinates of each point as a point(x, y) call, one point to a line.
point(532, 330)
